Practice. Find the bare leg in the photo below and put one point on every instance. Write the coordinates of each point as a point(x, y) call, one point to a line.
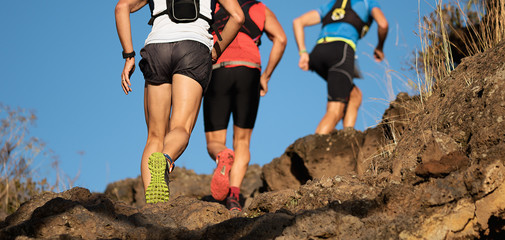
point(334, 113)
point(353, 105)
point(146, 110)
point(241, 142)
point(186, 99)
point(184, 95)
point(158, 116)
point(216, 142)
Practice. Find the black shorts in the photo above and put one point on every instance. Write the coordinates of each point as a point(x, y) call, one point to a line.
point(232, 90)
point(160, 61)
point(334, 61)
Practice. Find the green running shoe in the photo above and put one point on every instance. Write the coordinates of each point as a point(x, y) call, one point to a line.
point(158, 190)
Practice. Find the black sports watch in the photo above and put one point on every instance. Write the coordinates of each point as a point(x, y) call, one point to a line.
point(128, 55)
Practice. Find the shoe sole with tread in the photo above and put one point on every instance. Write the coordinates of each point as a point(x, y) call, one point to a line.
point(158, 190)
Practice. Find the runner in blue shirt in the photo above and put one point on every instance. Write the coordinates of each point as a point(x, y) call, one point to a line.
point(344, 23)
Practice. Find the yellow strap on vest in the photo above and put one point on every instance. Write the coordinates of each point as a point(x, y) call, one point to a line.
point(344, 4)
point(333, 39)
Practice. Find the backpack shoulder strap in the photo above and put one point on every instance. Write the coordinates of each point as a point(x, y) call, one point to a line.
point(250, 28)
point(151, 6)
point(154, 16)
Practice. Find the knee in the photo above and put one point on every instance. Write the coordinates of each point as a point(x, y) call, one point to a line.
point(335, 108)
point(241, 141)
point(356, 92)
point(155, 136)
point(356, 95)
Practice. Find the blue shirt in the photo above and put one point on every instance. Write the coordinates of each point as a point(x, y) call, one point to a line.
point(345, 30)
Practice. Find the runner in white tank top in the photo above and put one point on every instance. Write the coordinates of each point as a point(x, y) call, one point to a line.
point(175, 81)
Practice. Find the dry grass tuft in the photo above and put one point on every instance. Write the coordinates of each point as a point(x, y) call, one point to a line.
point(453, 32)
point(22, 159)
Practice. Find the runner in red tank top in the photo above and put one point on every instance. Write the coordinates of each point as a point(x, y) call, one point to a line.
point(235, 89)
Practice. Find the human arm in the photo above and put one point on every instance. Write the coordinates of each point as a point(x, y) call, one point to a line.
point(231, 28)
point(276, 34)
point(308, 19)
point(123, 26)
point(382, 30)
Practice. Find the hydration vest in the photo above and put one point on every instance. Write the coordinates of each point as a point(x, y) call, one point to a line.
point(342, 12)
point(183, 11)
point(250, 28)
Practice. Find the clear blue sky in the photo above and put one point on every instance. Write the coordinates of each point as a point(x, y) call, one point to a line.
point(63, 59)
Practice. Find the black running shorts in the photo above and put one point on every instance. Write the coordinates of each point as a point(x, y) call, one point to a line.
point(232, 90)
point(334, 61)
point(160, 61)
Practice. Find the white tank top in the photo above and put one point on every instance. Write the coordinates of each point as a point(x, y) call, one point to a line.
point(164, 30)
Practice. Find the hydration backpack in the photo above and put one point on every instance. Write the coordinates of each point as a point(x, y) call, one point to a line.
point(343, 12)
point(250, 28)
point(183, 11)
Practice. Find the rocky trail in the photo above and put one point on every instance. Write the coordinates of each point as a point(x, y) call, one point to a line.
point(432, 169)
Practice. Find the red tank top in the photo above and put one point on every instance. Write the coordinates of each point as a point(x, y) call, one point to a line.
point(243, 48)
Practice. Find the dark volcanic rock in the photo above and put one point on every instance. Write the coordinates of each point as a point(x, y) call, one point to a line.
point(129, 191)
point(79, 213)
point(314, 156)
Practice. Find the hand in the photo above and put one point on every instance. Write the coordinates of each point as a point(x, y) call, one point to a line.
point(214, 55)
point(378, 55)
point(264, 85)
point(304, 61)
point(216, 52)
point(129, 68)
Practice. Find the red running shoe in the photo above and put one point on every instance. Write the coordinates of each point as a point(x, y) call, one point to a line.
point(220, 184)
